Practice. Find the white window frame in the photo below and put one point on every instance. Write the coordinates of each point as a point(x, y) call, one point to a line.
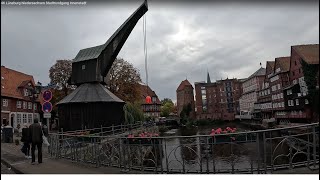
point(26, 92)
point(297, 102)
point(18, 104)
point(24, 118)
point(29, 105)
point(306, 101)
point(24, 105)
point(19, 118)
point(5, 102)
point(30, 118)
point(35, 106)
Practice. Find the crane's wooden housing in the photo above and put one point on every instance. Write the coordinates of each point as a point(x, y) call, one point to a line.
point(92, 105)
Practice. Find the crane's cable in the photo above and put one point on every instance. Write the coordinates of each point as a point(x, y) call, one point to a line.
point(145, 50)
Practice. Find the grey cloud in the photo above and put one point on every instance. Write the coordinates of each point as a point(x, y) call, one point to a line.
point(184, 40)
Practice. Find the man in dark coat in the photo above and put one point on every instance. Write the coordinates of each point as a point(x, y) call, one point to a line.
point(26, 140)
point(36, 139)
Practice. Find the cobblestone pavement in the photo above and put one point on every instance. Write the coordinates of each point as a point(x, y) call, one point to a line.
point(6, 170)
point(16, 149)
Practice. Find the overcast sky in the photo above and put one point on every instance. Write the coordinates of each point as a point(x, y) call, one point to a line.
point(183, 40)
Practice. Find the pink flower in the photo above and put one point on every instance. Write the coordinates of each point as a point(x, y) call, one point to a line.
point(212, 130)
point(156, 134)
point(212, 134)
point(224, 131)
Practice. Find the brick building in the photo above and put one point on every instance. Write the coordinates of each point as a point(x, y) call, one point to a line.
point(278, 81)
point(263, 107)
point(185, 96)
point(296, 94)
point(250, 88)
point(17, 106)
point(152, 109)
point(218, 100)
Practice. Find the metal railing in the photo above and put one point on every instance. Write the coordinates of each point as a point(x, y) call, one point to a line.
point(261, 151)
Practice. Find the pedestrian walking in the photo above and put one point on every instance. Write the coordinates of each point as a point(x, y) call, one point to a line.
point(36, 139)
point(26, 141)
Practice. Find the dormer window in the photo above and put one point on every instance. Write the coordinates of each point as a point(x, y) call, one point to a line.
point(83, 67)
point(26, 92)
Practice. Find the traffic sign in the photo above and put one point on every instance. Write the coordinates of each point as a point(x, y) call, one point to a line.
point(47, 95)
point(46, 115)
point(47, 107)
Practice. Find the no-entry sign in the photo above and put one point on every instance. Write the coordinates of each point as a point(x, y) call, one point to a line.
point(47, 95)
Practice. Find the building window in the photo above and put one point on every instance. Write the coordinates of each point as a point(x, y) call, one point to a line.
point(5, 102)
point(306, 101)
point(24, 118)
point(19, 118)
point(30, 118)
point(35, 106)
point(279, 86)
point(29, 105)
point(83, 66)
point(297, 101)
point(26, 92)
point(18, 104)
point(289, 92)
point(24, 105)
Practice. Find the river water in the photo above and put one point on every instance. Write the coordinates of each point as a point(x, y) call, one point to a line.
point(196, 154)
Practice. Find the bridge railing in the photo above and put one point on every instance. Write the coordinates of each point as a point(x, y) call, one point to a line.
point(263, 151)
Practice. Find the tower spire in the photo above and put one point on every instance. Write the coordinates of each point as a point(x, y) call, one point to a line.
point(208, 77)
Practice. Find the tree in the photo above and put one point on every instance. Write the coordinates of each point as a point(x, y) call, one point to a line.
point(59, 74)
point(167, 107)
point(124, 81)
point(133, 113)
point(185, 113)
point(165, 100)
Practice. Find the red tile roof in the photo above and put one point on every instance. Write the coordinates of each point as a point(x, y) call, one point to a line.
point(308, 52)
point(11, 80)
point(183, 84)
point(147, 91)
point(283, 63)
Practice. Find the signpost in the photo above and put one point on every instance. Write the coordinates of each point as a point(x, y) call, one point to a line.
point(47, 106)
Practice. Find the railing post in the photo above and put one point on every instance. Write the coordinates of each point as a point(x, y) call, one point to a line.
point(290, 154)
point(265, 152)
point(308, 150)
point(207, 154)
point(258, 150)
point(314, 146)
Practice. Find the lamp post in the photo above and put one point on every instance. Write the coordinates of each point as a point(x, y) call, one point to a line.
point(33, 94)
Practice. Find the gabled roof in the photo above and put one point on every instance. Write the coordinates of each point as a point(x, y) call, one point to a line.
point(11, 80)
point(283, 63)
point(90, 92)
point(269, 67)
point(147, 91)
point(184, 84)
point(259, 72)
point(309, 52)
point(25, 83)
point(89, 53)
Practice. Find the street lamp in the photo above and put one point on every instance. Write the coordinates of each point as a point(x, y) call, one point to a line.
point(33, 94)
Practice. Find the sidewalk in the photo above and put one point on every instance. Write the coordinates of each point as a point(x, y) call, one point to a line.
point(12, 157)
